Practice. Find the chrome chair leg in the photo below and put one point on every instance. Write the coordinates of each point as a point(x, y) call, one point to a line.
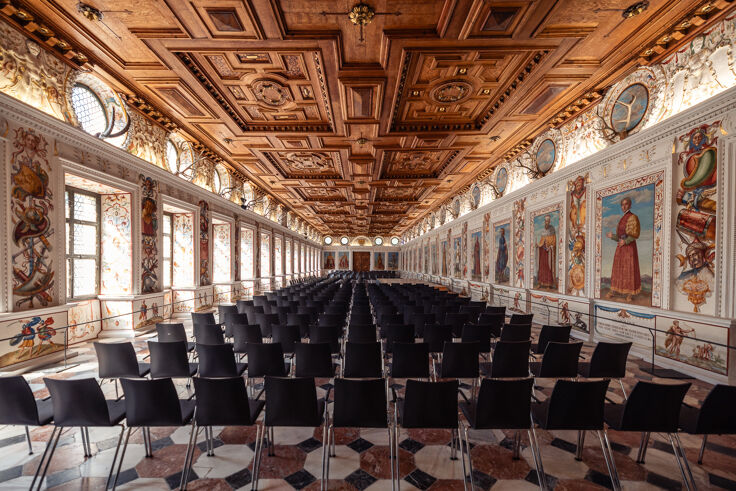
point(271, 443)
point(30, 445)
point(391, 456)
point(470, 458)
point(462, 458)
point(581, 444)
point(325, 455)
point(688, 471)
point(643, 447)
point(50, 457)
point(700, 455)
point(623, 389)
point(333, 452)
point(541, 476)
point(189, 456)
point(122, 458)
point(49, 444)
point(610, 462)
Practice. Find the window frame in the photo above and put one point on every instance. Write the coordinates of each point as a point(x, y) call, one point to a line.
point(70, 256)
point(97, 98)
point(170, 216)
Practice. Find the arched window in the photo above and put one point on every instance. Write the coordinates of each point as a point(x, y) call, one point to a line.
point(98, 109)
point(216, 181)
point(180, 158)
point(89, 110)
point(172, 156)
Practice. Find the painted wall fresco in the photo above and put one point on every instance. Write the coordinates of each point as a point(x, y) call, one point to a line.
point(674, 340)
point(433, 258)
point(501, 258)
point(519, 221)
point(546, 255)
point(204, 243)
point(444, 255)
point(116, 248)
point(457, 264)
point(265, 258)
point(204, 298)
point(84, 321)
point(32, 336)
point(625, 325)
point(328, 261)
point(31, 211)
point(629, 240)
point(343, 260)
point(116, 314)
point(222, 264)
point(464, 250)
point(183, 249)
point(576, 217)
point(147, 312)
point(574, 314)
point(277, 269)
point(476, 255)
point(289, 258)
point(379, 263)
point(247, 269)
point(149, 232)
point(487, 240)
point(425, 259)
point(696, 198)
point(183, 300)
point(393, 260)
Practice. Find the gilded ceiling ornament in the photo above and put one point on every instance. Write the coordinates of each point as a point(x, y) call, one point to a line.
point(308, 161)
point(450, 92)
point(271, 92)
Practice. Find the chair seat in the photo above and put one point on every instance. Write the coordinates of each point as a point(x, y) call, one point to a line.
point(144, 369)
point(689, 419)
point(116, 410)
point(45, 411)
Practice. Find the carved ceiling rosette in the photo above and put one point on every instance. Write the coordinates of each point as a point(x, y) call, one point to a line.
point(451, 92)
point(271, 92)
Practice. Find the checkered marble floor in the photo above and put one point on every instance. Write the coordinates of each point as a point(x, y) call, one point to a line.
point(362, 460)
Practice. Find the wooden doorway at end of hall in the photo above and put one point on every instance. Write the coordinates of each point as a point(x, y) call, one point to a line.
point(361, 261)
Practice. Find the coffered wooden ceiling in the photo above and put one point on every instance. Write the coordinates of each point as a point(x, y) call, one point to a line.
point(363, 136)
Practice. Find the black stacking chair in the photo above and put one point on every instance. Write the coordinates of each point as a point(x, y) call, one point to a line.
point(218, 360)
point(410, 360)
point(362, 360)
point(358, 404)
point(208, 334)
point(313, 360)
point(242, 305)
point(551, 334)
point(521, 319)
point(360, 318)
point(331, 320)
point(152, 403)
point(654, 408)
point(283, 313)
point(287, 337)
point(18, 407)
point(223, 312)
point(389, 319)
point(231, 319)
point(477, 334)
point(80, 403)
point(493, 309)
point(456, 321)
point(510, 360)
point(203, 318)
point(169, 333)
point(169, 360)
point(427, 405)
point(116, 360)
point(326, 334)
point(516, 332)
point(361, 333)
point(267, 321)
point(266, 359)
point(460, 360)
point(301, 320)
point(494, 322)
point(397, 333)
point(291, 402)
point(436, 336)
point(244, 334)
point(715, 416)
point(560, 360)
point(578, 406)
point(472, 311)
point(419, 321)
point(252, 312)
point(607, 361)
point(502, 405)
point(221, 402)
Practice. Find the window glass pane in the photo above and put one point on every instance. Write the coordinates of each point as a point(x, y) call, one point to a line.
point(85, 277)
point(265, 255)
point(68, 277)
point(85, 207)
point(171, 156)
point(216, 182)
point(167, 272)
point(167, 224)
point(167, 246)
point(68, 238)
point(246, 253)
point(66, 204)
point(277, 256)
point(85, 239)
point(88, 109)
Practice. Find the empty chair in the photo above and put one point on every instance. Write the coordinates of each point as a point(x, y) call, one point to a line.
point(521, 318)
point(232, 318)
point(419, 321)
point(360, 318)
point(242, 305)
point(301, 320)
point(116, 360)
point(218, 360)
point(243, 334)
point(286, 336)
point(548, 334)
point(362, 333)
point(170, 360)
point(398, 333)
point(560, 360)
point(715, 416)
point(358, 404)
point(331, 320)
point(168, 333)
point(208, 334)
point(203, 318)
point(291, 402)
point(362, 360)
point(283, 313)
point(653, 407)
point(478, 334)
point(252, 312)
point(266, 359)
point(516, 332)
point(459, 360)
point(410, 360)
point(223, 310)
point(510, 359)
point(472, 311)
point(494, 321)
point(267, 321)
point(80, 403)
point(326, 334)
point(19, 407)
point(389, 318)
point(152, 403)
point(313, 360)
point(456, 321)
point(436, 337)
point(494, 309)
point(502, 405)
point(607, 361)
point(578, 406)
point(221, 402)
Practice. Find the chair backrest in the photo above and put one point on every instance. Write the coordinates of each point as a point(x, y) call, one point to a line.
point(151, 402)
point(331, 320)
point(460, 360)
point(223, 310)
point(313, 360)
point(456, 320)
point(267, 321)
point(265, 359)
point(301, 320)
point(421, 320)
point(548, 334)
point(521, 318)
point(436, 336)
point(252, 312)
point(493, 309)
point(208, 334)
point(216, 360)
point(286, 336)
point(326, 334)
point(478, 334)
point(504, 404)
point(609, 360)
point(716, 413)
point(231, 319)
point(291, 402)
point(516, 332)
point(78, 402)
point(430, 404)
point(360, 403)
point(169, 359)
point(494, 321)
point(398, 333)
point(243, 334)
point(576, 405)
point(168, 333)
point(203, 318)
point(410, 360)
point(242, 304)
point(653, 407)
point(222, 402)
point(560, 360)
point(361, 333)
point(511, 359)
point(363, 360)
point(116, 360)
point(17, 404)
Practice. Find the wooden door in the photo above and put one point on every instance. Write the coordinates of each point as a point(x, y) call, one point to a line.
point(361, 261)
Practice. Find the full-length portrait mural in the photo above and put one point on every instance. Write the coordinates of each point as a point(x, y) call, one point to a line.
point(328, 261)
point(476, 264)
point(501, 258)
point(487, 247)
point(149, 227)
point(546, 249)
point(343, 260)
point(204, 243)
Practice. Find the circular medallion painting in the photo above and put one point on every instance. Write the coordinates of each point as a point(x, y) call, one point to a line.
point(456, 207)
point(545, 157)
point(502, 179)
point(629, 108)
point(475, 194)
